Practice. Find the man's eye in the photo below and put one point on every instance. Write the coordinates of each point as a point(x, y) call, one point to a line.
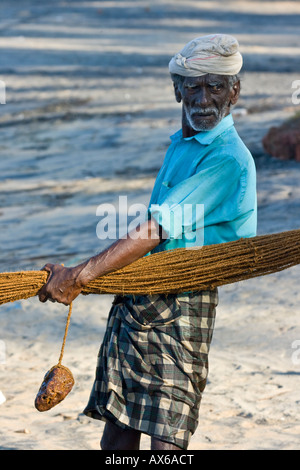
point(215, 86)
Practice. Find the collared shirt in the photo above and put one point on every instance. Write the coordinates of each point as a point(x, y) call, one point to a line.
point(205, 192)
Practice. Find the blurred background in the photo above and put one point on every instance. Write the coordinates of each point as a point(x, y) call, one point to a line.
point(90, 107)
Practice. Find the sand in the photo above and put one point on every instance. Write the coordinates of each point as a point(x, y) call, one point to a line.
point(88, 114)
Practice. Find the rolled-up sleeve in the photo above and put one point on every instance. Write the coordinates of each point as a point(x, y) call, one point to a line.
point(213, 192)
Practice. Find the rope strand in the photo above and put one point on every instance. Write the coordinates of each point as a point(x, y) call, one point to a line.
point(65, 335)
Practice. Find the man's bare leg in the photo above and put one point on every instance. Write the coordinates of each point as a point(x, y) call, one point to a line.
point(116, 438)
point(156, 444)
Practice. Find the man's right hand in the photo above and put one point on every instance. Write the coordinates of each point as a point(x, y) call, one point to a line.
point(62, 285)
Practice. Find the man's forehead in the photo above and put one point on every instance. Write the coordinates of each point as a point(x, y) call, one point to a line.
point(204, 79)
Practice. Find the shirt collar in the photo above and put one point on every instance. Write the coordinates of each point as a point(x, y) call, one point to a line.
point(207, 137)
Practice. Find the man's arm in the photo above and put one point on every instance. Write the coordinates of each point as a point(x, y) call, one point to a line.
point(65, 284)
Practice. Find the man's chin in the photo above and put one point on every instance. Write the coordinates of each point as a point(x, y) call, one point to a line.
point(205, 123)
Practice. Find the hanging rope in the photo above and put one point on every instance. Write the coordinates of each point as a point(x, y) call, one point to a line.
point(65, 335)
point(58, 381)
point(178, 270)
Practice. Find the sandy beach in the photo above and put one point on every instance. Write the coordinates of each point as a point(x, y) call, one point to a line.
point(88, 114)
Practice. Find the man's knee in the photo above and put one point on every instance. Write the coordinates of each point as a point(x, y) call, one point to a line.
point(157, 444)
point(115, 438)
point(106, 444)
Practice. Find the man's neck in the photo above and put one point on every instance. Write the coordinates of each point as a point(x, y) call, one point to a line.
point(187, 131)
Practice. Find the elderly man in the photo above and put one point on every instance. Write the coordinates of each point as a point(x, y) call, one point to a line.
point(153, 363)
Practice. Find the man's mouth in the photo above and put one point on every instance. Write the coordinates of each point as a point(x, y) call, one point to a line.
point(203, 114)
point(203, 119)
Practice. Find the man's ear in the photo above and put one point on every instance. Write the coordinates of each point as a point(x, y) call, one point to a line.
point(177, 93)
point(235, 92)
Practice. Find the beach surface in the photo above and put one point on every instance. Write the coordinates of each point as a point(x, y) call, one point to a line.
point(87, 117)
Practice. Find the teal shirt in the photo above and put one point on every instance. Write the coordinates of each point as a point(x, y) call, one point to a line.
point(205, 192)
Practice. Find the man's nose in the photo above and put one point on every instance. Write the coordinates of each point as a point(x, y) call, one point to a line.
point(202, 98)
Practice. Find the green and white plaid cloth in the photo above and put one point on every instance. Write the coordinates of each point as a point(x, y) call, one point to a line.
point(153, 364)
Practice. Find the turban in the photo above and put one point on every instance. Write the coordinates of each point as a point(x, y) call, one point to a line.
point(215, 53)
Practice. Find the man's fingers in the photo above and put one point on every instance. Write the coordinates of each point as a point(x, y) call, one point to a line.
point(48, 267)
point(43, 296)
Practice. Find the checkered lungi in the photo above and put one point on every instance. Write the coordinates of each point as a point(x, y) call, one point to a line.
point(153, 364)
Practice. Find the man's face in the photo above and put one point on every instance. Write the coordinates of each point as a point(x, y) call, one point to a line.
point(206, 100)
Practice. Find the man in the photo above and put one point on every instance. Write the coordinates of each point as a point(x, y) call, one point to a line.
point(153, 363)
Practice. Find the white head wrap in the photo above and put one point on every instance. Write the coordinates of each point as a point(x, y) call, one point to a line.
point(216, 53)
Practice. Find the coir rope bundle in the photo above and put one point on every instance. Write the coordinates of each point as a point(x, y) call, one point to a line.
point(178, 270)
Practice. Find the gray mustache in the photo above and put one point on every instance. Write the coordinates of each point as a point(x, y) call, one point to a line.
point(204, 112)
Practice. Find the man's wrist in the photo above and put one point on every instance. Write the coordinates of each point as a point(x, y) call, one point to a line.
point(81, 274)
